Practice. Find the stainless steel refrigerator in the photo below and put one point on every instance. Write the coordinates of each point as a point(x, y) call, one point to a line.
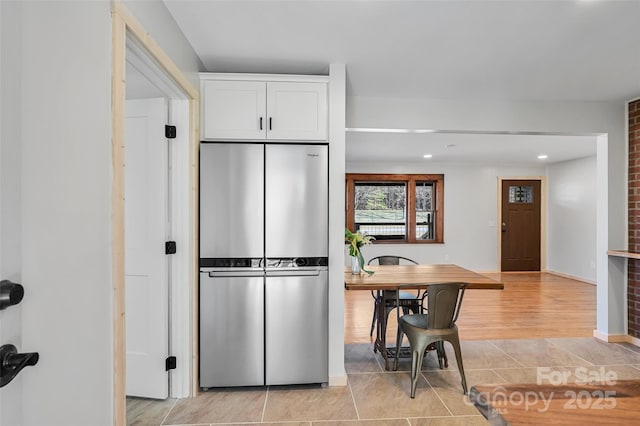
point(263, 264)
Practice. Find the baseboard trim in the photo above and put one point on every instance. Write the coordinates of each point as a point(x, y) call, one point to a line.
point(615, 338)
point(338, 380)
point(571, 277)
point(633, 340)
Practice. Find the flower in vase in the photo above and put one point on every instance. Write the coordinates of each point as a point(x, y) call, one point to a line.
point(356, 240)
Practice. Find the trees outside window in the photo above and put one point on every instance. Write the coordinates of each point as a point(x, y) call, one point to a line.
point(403, 208)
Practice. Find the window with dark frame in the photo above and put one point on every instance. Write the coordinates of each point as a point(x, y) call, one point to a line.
point(396, 208)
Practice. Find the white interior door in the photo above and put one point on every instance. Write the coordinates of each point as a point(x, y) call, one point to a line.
point(146, 264)
point(11, 223)
point(11, 269)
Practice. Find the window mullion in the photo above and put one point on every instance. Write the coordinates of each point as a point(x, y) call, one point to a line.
point(439, 208)
point(411, 211)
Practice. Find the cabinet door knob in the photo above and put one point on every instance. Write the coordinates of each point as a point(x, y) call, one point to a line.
point(260, 123)
point(270, 122)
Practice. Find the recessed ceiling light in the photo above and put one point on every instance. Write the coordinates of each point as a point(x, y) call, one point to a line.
point(542, 157)
point(428, 156)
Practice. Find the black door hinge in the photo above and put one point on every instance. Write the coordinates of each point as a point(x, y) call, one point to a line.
point(170, 363)
point(170, 247)
point(169, 132)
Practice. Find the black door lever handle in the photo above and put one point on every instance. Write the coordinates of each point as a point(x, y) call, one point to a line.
point(12, 362)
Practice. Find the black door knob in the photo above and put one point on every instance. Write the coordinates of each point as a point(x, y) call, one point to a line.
point(10, 293)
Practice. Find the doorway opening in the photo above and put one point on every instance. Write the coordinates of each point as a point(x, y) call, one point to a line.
point(156, 179)
point(133, 48)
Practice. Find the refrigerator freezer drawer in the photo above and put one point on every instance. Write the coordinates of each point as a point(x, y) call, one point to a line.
point(296, 329)
point(231, 331)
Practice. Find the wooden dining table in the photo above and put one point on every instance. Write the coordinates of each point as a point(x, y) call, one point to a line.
point(418, 277)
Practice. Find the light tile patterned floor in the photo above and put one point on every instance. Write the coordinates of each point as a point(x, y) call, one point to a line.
point(376, 398)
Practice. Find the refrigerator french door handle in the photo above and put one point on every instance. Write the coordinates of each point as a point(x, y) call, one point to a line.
point(228, 274)
point(292, 272)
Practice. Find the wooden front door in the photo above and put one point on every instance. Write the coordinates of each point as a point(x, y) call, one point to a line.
point(521, 225)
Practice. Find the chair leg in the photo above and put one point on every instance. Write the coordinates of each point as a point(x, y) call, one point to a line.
point(373, 320)
point(416, 365)
point(442, 355)
point(439, 352)
point(455, 342)
point(399, 334)
point(418, 346)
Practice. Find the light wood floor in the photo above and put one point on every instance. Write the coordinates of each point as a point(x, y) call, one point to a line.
point(532, 305)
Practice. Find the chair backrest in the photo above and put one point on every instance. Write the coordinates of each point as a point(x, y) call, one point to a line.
point(390, 260)
point(444, 301)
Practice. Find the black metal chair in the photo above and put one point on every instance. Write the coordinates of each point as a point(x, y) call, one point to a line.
point(408, 301)
point(435, 327)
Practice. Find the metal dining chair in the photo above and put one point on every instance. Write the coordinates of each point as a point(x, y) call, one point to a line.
point(409, 302)
point(434, 327)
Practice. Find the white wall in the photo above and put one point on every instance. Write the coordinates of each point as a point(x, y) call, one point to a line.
point(158, 22)
point(337, 93)
point(571, 209)
point(470, 214)
point(563, 117)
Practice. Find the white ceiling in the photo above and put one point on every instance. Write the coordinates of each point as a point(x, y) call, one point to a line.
point(568, 50)
point(475, 49)
point(474, 149)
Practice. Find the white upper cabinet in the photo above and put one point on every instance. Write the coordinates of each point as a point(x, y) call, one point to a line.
point(234, 109)
point(261, 110)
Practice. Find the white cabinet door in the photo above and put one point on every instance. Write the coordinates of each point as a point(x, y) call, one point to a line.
point(233, 109)
point(297, 111)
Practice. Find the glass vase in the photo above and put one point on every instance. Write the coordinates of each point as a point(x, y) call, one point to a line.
point(355, 265)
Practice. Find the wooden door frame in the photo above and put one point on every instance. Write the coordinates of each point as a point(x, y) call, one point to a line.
point(123, 24)
point(543, 218)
